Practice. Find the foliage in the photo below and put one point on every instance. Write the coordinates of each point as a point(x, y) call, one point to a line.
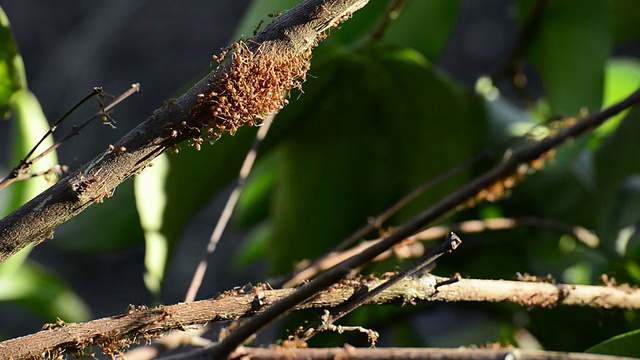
point(376, 119)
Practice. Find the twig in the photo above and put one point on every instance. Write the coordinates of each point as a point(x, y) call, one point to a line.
point(329, 260)
point(196, 281)
point(26, 164)
point(19, 173)
point(583, 235)
point(288, 38)
point(177, 339)
point(145, 323)
point(502, 170)
point(528, 29)
point(452, 242)
point(351, 353)
point(392, 13)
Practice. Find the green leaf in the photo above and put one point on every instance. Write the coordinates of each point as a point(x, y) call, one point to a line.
point(569, 50)
point(253, 203)
point(43, 293)
point(627, 344)
point(616, 161)
point(150, 201)
point(385, 124)
point(254, 246)
point(424, 25)
point(622, 78)
point(117, 222)
point(625, 16)
point(30, 125)
point(12, 76)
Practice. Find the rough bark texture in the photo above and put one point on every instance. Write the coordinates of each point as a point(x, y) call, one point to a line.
point(114, 333)
point(290, 36)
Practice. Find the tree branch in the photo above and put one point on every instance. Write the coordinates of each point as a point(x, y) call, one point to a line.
point(137, 324)
point(271, 62)
point(352, 353)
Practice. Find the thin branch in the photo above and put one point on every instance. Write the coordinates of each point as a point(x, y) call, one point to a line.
point(196, 281)
point(146, 323)
point(94, 92)
point(104, 112)
point(351, 353)
point(287, 41)
point(354, 302)
point(181, 338)
point(528, 29)
point(404, 250)
point(461, 196)
point(20, 171)
point(392, 13)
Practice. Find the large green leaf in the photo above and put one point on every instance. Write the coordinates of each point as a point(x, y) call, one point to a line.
point(569, 50)
point(625, 16)
point(385, 124)
point(116, 219)
point(43, 293)
point(627, 344)
point(30, 125)
point(12, 77)
point(622, 79)
point(424, 25)
point(150, 201)
point(616, 161)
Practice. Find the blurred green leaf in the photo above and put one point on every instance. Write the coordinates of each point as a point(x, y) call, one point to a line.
point(625, 16)
point(117, 220)
point(12, 76)
point(622, 78)
point(385, 124)
point(569, 50)
point(151, 200)
point(254, 246)
point(627, 344)
point(43, 293)
point(254, 201)
point(424, 25)
point(30, 125)
point(615, 161)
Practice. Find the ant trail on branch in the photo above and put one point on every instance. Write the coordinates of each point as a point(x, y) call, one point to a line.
point(428, 261)
point(247, 165)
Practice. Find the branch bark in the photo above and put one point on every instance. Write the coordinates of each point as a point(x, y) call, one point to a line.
point(116, 332)
point(289, 37)
point(352, 353)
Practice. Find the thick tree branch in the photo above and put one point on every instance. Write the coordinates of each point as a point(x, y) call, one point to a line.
point(351, 353)
point(137, 324)
point(281, 50)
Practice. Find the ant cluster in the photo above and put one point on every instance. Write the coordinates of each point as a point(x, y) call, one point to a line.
point(256, 84)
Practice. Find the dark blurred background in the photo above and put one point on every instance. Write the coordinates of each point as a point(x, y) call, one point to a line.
point(69, 47)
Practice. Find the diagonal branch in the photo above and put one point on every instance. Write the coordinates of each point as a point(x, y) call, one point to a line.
point(272, 62)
